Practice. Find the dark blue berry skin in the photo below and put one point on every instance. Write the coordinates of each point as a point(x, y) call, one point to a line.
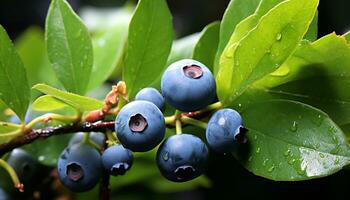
point(96, 137)
point(151, 95)
point(3, 195)
point(140, 126)
point(80, 167)
point(117, 160)
point(225, 130)
point(24, 164)
point(182, 157)
point(185, 92)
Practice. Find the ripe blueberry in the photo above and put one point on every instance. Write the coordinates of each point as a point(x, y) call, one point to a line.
point(117, 160)
point(80, 167)
point(24, 164)
point(225, 130)
point(140, 126)
point(151, 95)
point(182, 157)
point(188, 85)
point(96, 137)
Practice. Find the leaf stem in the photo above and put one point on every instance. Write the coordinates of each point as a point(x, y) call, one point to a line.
point(178, 127)
point(52, 116)
point(12, 174)
point(111, 138)
point(194, 122)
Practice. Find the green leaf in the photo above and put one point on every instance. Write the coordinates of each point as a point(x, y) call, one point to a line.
point(6, 127)
point(236, 11)
point(318, 74)
point(245, 62)
point(206, 47)
point(48, 103)
point(108, 46)
point(148, 44)
point(69, 47)
point(183, 48)
point(14, 88)
point(31, 47)
point(246, 25)
point(48, 151)
point(292, 142)
point(78, 102)
point(347, 36)
point(311, 34)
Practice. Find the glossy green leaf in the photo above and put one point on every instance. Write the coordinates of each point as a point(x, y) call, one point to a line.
point(249, 23)
point(317, 74)
point(183, 48)
point(78, 102)
point(31, 47)
point(206, 47)
point(236, 11)
point(148, 45)
point(14, 88)
point(245, 62)
point(289, 141)
point(311, 34)
point(48, 103)
point(108, 45)
point(347, 36)
point(69, 47)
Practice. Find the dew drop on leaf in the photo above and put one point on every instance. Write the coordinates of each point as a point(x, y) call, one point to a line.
point(294, 126)
point(278, 36)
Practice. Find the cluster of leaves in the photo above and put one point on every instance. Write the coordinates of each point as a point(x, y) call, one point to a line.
point(264, 54)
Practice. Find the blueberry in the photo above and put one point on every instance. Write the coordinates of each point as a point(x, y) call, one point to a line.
point(80, 167)
point(188, 85)
point(225, 130)
point(3, 195)
point(96, 137)
point(140, 126)
point(117, 160)
point(182, 157)
point(151, 95)
point(24, 164)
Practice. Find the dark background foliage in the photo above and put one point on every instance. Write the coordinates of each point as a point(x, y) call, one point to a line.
point(230, 180)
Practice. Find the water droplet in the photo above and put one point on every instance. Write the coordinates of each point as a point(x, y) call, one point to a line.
point(41, 158)
point(321, 155)
point(258, 150)
point(265, 162)
point(271, 168)
point(318, 145)
point(255, 137)
point(278, 36)
point(301, 171)
point(286, 153)
point(239, 105)
point(282, 71)
point(291, 161)
point(166, 156)
point(337, 160)
point(294, 126)
point(250, 158)
point(318, 120)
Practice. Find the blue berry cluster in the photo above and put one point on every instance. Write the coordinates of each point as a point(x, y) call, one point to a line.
point(188, 86)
